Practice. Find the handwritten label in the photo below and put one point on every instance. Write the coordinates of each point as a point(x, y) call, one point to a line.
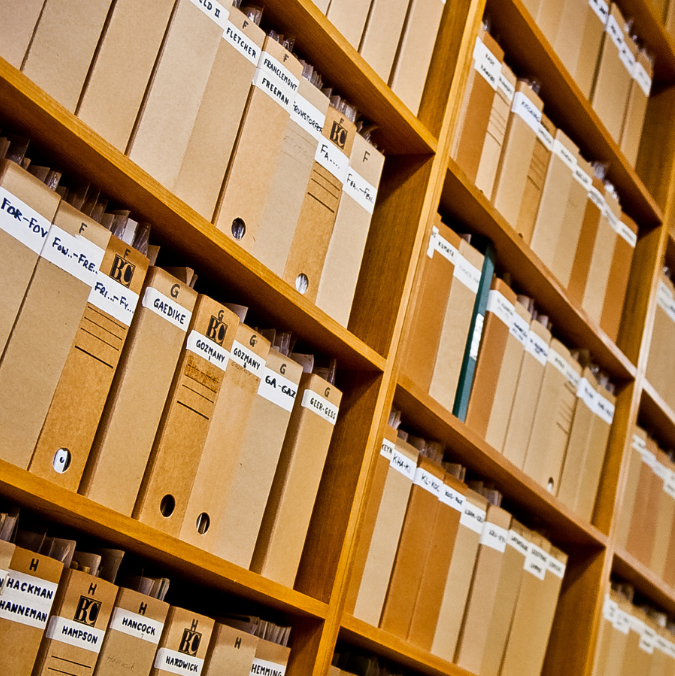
point(27, 599)
point(316, 403)
point(537, 347)
point(73, 254)
point(486, 63)
point(473, 518)
point(22, 222)
point(276, 81)
point(362, 192)
point(278, 389)
point(467, 274)
point(214, 10)
point(525, 109)
point(428, 482)
point(209, 350)
point(113, 298)
point(247, 359)
point(308, 117)
point(76, 634)
point(332, 159)
point(167, 308)
point(442, 246)
point(494, 536)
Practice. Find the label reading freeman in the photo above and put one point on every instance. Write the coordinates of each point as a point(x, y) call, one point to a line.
point(276, 81)
point(75, 634)
point(241, 43)
point(207, 349)
point(279, 390)
point(18, 220)
point(136, 625)
point(178, 663)
point(27, 599)
point(247, 359)
point(320, 406)
point(167, 308)
point(265, 668)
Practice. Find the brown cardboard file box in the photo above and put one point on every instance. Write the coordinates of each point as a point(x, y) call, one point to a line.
point(658, 362)
point(231, 652)
point(665, 514)
point(566, 41)
point(17, 25)
point(549, 16)
point(270, 656)
point(349, 17)
point(638, 448)
point(636, 110)
point(595, 19)
point(138, 393)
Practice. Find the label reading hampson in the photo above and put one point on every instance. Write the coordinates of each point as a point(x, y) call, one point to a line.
point(440, 244)
point(73, 254)
point(167, 308)
point(206, 348)
point(75, 633)
point(278, 389)
point(178, 663)
point(27, 599)
point(241, 43)
point(22, 222)
point(247, 359)
point(113, 298)
point(320, 406)
point(136, 625)
point(265, 668)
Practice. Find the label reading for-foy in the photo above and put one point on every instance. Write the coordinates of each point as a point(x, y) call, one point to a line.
point(178, 663)
point(18, 220)
point(265, 668)
point(473, 518)
point(208, 349)
point(486, 63)
point(113, 298)
point(500, 307)
point(308, 117)
point(27, 599)
point(440, 244)
point(241, 43)
point(475, 339)
point(403, 464)
point(214, 10)
point(136, 625)
point(167, 308)
point(428, 481)
point(276, 81)
point(278, 389)
point(601, 8)
point(332, 159)
point(536, 561)
point(387, 449)
point(247, 359)
point(73, 254)
point(452, 498)
point(524, 108)
point(362, 192)
point(537, 348)
point(320, 406)
point(75, 633)
point(494, 536)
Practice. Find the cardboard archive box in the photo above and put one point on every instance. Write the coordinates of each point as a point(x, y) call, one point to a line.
point(138, 393)
point(25, 606)
point(68, 431)
point(639, 644)
point(135, 628)
point(349, 17)
point(566, 41)
point(17, 25)
point(190, 408)
point(45, 327)
point(77, 626)
point(270, 658)
point(660, 351)
point(296, 482)
point(595, 19)
point(548, 17)
point(605, 631)
point(63, 46)
point(618, 640)
point(124, 60)
point(231, 652)
point(638, 449)
point(636, 110)
point(665, 514)
point(340, 274)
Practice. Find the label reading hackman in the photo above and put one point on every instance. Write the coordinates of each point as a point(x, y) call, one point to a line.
point(178, 663)
point(75, 634)
point(167, 308)
point(206, 348)
point(27, 599)
point(22, 222)
point(315, 402)
point(73, 254)
point(278, 389)
point(247, 359)
point(136, 625)
point(111, 297)
point(241, 43)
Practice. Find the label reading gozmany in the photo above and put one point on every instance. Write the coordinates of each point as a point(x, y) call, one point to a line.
point(278, 389)
point(241, 43)
point(136, 625)
point(265, 668)
point(21, 222)
point(167, 308)
point(320, 406)
point(208, 349)
point(75, 633)
point(27, 599)
point(73, 254)
point(247, 359)
point(178, 663)
point(276, 81)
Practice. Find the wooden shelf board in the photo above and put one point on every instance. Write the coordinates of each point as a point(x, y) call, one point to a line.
point(644, 580)
point(464, 202)
point(363, 635)
point(235, 274)
point(73, 510)
point(400, 132)
point(520, 491)
point(530, 54)
point(655, 413)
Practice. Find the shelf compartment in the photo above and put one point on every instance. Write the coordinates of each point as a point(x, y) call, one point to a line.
point(529, 52)
point(420, 411)
point(217, 257)
point(75, 511)
point(656, 414)
point(464, 202)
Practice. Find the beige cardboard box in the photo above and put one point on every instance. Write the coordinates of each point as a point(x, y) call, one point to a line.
point(633, 123)
point(519, 144)
point(168, 114)
point(138, 392)
point(208, 151)
point(549, 16)
point(63, 46)
point(27, 209)
point(283, 204)
point(657, 363)
point(637, 449)
point(458, 582)
point(25, 605)
point(296, 482)
point(456, 324)
point(45, 327)
point(270, 656)
point(527, 393)
point(184, 643)
point(349, 17)
point(231, 652)
point(640, 644)
point(619, 638)
point(122, 66)
point(567, 40)
point(225, 456)
point(595, 20)
point(382, 33)
point(366, 596)
point(70, 426)
point(259, 143)
point(413, 57)
point(133, 634)
point(17, 25)
point(190, 408)
point(76, 629)
point(532, 6)
point(605, 632)
point(340, 274)
point(665, 517)
point(480, 606)
point(670, 19)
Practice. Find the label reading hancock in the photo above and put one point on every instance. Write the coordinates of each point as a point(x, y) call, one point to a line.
point(587, 394)
point(75, 633)
point(247, 359)
point(536, 562)
point(506, 88)
point(486, 63)
point(332, 159)
point(387, 449)
point(308, 117)
point(501, 307)
point(278, 389)
point(624, 231)
point(27, 599)
point(265, 668)
point(113, 298)
point(136, 625)
point(604, 409)
point(320, 406)
point(452, 498)
point(565, 155)
point(537, 347)
point(21, 222)
point(524, 108)
point(494, 536)
point(428, 482)
point(178, 663)
point(206, 348)
point(276, 81)
point(362, 192)
point(167, 308)
point(214, 10)
point(475, 338)
point(601, 8)
point(242, 43)
point(556, 567)
point(467, 273)
point(622, 621)
point(518, 542)
point(643, 79)
point(473, 517)
point(520, 328)
point(438, 243)
point(545, 137)
point(73, 254)
point(403, 464)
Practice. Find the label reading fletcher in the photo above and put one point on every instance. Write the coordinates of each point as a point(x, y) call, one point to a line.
point(207, 349)
point(247, 359)
point(276, 81)
point(113, 298)
point(178, 663)
point(320, 406)
point(360, 190)
point(438, 243)
point(494, 536)
point(21, 222)
point(75, 255)
point(136, 625)
point(265, 668)
point(278, 389)
point(473, 518)
point(27, 599)
point(167, 308)
point(75, 633)
point(241, 43)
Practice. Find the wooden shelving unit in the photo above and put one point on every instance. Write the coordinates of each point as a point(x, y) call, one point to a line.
point(418, 180)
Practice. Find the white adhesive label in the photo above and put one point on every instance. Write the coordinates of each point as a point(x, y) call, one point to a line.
point(387, 450)
point(501, 307)
point(649, 459)
point(320, 406)
point(545, 137)
point(308, 117)
point(624, 231)
point(666, 301)
point(669, 484)
point(206, 348)
point(494, 536)
point(241, 43)
point(473, 518)
point(75, 633)
point(609, 609)
point(565, 155)
point(615, 32)
point(597, 198)
point(452, 498)
point(403, 464)
point(537, 348)
point(362, 192)
point(601, 8)
point(524, 108)
point(136, 625)
point(247, 359)
point(520, 329)
point(587, 394)
point(428, 482)
point(166, 308)
point(639, 444)
point(475, 338)
point(265, 668)
point(486, 63)
point(536, 562)
point(18, 220)
point(556, 567)
point(113, 298)
point(518, 542)
point(561, 364)
point(627, 59)
point(438, 243)
point(643, 79)
point(604, 409)
point(278, 389)
point(73, 254)
point(3, 579)
point(622, 621)
point(467, 274)
point(663, 645)
point(636, 624)
point(27, 599)
point(276, 81)
point(506, 88)
point(178, 663)
point(582, 177)
point(660, 470)
point(332, 159)
point(214, 10)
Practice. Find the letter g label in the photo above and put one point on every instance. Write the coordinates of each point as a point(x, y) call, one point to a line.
point(327, 392)
point(253, 341)
point(174, 290)
point(282, 370)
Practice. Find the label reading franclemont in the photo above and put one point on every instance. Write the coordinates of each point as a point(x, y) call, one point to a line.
point(518, 542)
point(467, 274)
point(545, 137)
point(75, 633)
point(136, 625)
point(73, 254)
point(609, 608)
point(486, 63)
point(332, 159)
point(537, 347)
point(587, 394)
point(506, 88)
point(475, 339)
point(206, 348)
point(320, 406)
point(494, 536)
point(556, 567)
point(565, 155)
point(601, 8)
point(22, 222)
point(276, 81)
point(428, 482)
point(214, 10)
point(167, 308)
point(473, 517)
point(452, 498)
point(247, 359)
point(501, 307)
point(308, 117)
point(403, 464)
point(242, 43)
point(265, 668)
point(643, 79)
point(27, 599)
point(362, 192)
point(440, 244)
point(178, 663)
point(113, 298)
point(524, 108)
point(278, 389)
point(536, 562)
point(520, 328)
point(561, 364)
point(387, 449)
